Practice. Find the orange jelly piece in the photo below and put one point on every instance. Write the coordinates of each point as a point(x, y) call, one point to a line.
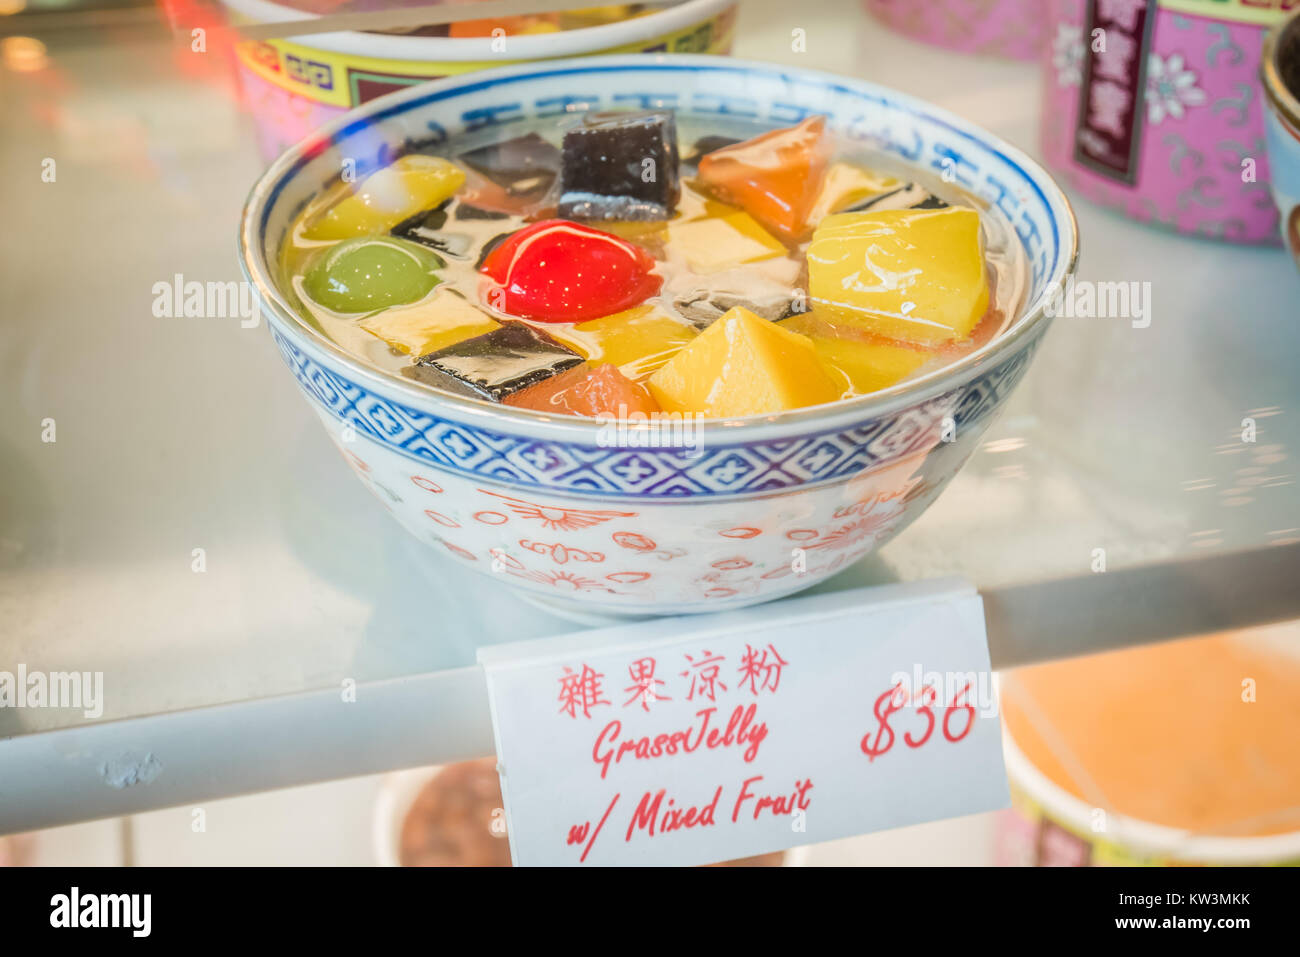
point(585, 390)
point(775, 177)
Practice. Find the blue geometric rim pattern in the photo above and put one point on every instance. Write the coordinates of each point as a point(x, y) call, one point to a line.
point(718, 470)
point(736, 468)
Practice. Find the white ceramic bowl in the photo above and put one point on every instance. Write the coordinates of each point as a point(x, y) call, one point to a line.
point(555, 506)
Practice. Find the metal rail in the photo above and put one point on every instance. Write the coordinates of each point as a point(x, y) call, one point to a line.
point(188, 757)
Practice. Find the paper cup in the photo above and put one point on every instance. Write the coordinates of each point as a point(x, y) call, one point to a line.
point(1046, 826)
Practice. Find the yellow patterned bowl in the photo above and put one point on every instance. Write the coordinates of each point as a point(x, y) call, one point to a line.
point(295, 86)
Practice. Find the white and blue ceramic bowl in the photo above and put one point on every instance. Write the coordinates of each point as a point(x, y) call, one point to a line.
point(759, 507)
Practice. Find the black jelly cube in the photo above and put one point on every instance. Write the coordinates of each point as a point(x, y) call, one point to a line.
point(620, 166)
point(431, 376)
point(468, 211)
point(500, 362)
point(909, 196)
point(427, 229)
point(702, 308)
point(429, 220)
point(705, 145)
point(525, 166)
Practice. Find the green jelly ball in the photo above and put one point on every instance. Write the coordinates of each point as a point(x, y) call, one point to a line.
point(363, 275)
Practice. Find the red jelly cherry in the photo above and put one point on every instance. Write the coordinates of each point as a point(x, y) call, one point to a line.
point(558, 271)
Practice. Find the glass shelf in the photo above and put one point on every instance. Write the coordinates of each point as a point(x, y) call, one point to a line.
point(176, 434)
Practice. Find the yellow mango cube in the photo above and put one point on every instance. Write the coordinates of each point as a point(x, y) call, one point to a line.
point(863, 365)
point(434, 323)
point(743, 365)
point(637, 340)
point(386, 197)
point(917, 275)
point(846, 184)
point(716, 243)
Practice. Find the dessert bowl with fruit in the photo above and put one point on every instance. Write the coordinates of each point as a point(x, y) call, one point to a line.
point(654, 335)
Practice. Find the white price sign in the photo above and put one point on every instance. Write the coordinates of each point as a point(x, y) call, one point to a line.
point(700, 739)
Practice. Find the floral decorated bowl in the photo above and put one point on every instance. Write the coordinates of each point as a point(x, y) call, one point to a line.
point(592, 520)
point(1163, 123)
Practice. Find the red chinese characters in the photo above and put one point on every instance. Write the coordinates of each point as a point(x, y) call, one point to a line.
point(642, 673)
point(650, 808)
point(760, 673)
point(580, 691)
point(703, 674)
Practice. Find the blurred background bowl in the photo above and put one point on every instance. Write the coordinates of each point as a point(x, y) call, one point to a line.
point(1279, 72)
point(1014, 29)
point(296, 85)
point(1171, 130)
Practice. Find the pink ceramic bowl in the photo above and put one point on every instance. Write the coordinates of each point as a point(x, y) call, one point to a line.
point(1007, 28)
point(1167, 124)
